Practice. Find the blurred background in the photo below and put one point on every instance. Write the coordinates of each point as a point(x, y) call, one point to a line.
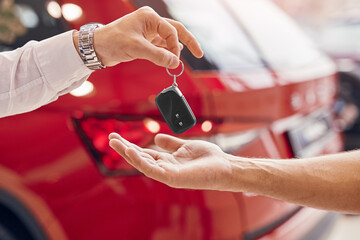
point(334, 25)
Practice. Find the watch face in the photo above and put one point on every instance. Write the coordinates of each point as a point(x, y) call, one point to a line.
point(88, 25)
point(91, 27)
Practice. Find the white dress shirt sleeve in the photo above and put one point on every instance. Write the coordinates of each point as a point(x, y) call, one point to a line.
point(38, 73)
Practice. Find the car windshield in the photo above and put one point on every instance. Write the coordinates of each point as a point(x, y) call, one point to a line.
point(280, 40)
point(341, 38)
point(225, 44)
point(22, 21)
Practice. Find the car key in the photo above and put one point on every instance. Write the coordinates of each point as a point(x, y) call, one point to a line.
point(174, 107)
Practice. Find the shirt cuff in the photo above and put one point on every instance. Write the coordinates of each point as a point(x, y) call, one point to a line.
point(60, 63)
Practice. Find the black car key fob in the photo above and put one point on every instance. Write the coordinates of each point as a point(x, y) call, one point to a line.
point(175, 110)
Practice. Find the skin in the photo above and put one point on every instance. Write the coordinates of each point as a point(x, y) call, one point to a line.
point(142, 34)
point(330, 182)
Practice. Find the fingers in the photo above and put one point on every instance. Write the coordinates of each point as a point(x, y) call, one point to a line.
point(122, 149)
point(139, 160)
point(160, 42)
point(172, 31)
point(150, 170)
point(169, 33)
point(159, 56)
point(114, 135)
point(154, 154)
point(168, 142)
point(124, 141)
point(154, 25)
point(119, 147)
point(187, 38)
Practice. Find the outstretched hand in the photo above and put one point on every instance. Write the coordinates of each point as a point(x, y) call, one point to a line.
point(190, 164)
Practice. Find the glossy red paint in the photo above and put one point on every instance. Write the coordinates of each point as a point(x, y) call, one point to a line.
point(253, 110)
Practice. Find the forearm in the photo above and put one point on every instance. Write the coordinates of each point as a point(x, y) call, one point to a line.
point(39, 73)
point(329, 182)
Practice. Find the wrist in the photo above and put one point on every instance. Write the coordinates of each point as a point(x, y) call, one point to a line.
point(98, 45)
point(233, 183)
point(86, 46)
point(243, 174)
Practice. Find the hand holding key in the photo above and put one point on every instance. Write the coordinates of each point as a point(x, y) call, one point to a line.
point(143, 34)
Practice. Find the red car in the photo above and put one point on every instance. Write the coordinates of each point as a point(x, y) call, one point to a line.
point(261, 90)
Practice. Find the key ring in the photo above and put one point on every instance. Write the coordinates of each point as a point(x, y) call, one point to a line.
point(175, 76)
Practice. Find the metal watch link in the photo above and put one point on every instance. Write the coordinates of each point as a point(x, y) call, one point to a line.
point(86, 46)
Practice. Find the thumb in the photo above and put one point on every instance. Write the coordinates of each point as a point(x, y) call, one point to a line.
point(168, 143)
point(158, 55)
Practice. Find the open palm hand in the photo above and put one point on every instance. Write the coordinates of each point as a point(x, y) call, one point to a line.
point(186, 164)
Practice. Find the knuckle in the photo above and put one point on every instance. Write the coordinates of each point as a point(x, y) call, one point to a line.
point(173, 30)
point(146, 11)
point(189, 42)
point(180, 25)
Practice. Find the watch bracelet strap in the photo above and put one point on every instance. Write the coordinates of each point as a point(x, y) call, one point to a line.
point(86, 47)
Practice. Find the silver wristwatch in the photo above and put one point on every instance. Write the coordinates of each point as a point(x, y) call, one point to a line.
point(86, 46)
